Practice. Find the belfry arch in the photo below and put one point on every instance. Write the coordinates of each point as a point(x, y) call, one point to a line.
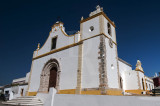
point(50, 76)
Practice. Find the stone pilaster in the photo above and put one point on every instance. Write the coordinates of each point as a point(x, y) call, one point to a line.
point(118, 67)
point(145, 84)
point(80, 57)
point(139, 85)
point(101, 23)
point(79, 71)
point(102, 65)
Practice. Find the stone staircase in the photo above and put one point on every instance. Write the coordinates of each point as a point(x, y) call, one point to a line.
point(24, 101)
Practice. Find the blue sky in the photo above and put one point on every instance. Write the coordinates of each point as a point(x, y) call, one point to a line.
point(25, 23)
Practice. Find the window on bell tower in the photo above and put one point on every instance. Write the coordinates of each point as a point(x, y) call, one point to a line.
point(54, 41)
point(109, 28)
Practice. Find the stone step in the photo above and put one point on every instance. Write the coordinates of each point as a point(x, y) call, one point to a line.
point(27, 97)
point(24, 104)
point(25, 101)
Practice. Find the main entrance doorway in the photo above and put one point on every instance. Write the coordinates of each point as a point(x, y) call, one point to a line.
point(50, 76)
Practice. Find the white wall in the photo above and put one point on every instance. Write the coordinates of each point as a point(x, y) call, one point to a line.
point(90, 70)
point(9, 92)
point(68, 61)
point(7, 89)
point(62, 40)
point(86, 26)
point(111, 58)
point(130, 80)
point(123, 67)
point(24, 87)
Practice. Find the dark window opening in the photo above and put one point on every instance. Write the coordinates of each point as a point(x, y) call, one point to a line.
point(143, 84)
point(6, 92)
point(54, 41)
point(91, 28)
point(109, 28)
point(121, 83)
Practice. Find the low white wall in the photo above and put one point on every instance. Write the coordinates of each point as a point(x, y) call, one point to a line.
point(150, 83)
point(50, 98)
point(130, 80)
point(24, 87)
point(104, 100)
point(10, 92)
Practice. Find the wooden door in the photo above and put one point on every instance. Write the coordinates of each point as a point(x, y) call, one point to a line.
point(53, 77)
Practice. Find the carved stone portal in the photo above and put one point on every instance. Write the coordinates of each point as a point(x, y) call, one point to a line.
point(50, 76)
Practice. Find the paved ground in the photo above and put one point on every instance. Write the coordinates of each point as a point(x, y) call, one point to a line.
point(2, 104)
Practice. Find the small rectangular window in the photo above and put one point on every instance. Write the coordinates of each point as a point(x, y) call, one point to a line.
point(54, 41)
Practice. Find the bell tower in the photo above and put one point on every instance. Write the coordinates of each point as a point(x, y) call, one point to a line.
point(97, 23)
point(99, 27)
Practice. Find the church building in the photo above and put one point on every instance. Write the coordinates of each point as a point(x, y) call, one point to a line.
point(85, 63)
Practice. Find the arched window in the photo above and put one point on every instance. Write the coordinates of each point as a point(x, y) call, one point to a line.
point(109, 28)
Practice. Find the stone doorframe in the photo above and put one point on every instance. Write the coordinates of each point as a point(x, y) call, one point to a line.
point(45, 75)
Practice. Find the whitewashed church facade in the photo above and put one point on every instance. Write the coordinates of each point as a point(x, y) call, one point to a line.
point(85, 63)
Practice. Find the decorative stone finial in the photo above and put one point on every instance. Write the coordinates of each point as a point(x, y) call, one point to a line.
point(98, 10)
point(38, 47)
point(82, 18)
point(101, 8)
point(77, 32)
point(139, 66)
point(98, 7)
